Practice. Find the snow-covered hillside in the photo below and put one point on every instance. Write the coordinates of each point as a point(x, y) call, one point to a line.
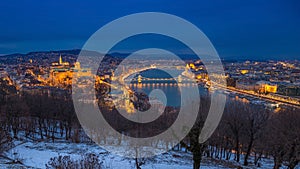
point(37, 154)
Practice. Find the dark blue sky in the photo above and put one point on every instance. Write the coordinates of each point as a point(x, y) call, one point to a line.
point(247, 29)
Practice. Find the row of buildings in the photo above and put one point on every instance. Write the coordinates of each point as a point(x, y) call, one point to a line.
point(262, 77)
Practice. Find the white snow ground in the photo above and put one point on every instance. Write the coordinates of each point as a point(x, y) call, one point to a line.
point(37, 154)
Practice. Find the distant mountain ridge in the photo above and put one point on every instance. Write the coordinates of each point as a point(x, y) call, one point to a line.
point(73, 53)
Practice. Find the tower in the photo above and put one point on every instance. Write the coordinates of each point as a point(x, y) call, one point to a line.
point(139, 79)
point(179, 79)
point(77, 65)
point(60, 60)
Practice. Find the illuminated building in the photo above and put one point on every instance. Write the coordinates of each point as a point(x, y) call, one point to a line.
point(270, 88)
point(60, 62)
point(61, 73)
point(266, 87)
point(192, 66)
point(244, 71)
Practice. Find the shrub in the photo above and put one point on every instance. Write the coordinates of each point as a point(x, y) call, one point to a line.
point(87, 161)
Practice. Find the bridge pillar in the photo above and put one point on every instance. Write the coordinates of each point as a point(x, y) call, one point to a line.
point(179, 79)
point(139, 79)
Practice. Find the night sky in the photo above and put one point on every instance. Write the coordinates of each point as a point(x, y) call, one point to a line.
point(267, 29)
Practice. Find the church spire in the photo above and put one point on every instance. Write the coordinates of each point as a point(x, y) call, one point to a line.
point(60, 60)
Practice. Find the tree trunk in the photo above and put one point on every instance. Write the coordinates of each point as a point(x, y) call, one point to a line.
point(237, 149)
point(277, 163)
point(40, 129)
point(196, 164)
point(197, 156)
point(257, 158)
point(136, 159)
point(293, 164)
point(248, 151)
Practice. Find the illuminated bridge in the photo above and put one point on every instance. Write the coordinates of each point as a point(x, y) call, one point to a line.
point(121, 82)
point(141, 79)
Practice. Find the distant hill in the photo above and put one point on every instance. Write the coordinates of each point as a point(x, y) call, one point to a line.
point(71, 56)
point(44, 56)
point(39, 57)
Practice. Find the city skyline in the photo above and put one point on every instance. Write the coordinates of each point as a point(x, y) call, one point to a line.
point(150, 84)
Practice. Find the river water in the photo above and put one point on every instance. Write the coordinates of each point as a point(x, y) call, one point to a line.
point(170, 88)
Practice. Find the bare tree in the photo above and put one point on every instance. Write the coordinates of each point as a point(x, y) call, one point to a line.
point(257, 117)
point(5, 140)
point(283, 138)
point(194, 145)
point(235, 119)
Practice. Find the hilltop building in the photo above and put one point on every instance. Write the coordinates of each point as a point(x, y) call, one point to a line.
point(61, 73)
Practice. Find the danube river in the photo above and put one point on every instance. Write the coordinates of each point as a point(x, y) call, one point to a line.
point(172, 91)
point(169, 87)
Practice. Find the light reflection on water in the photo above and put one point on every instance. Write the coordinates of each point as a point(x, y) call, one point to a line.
point(170, 88)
